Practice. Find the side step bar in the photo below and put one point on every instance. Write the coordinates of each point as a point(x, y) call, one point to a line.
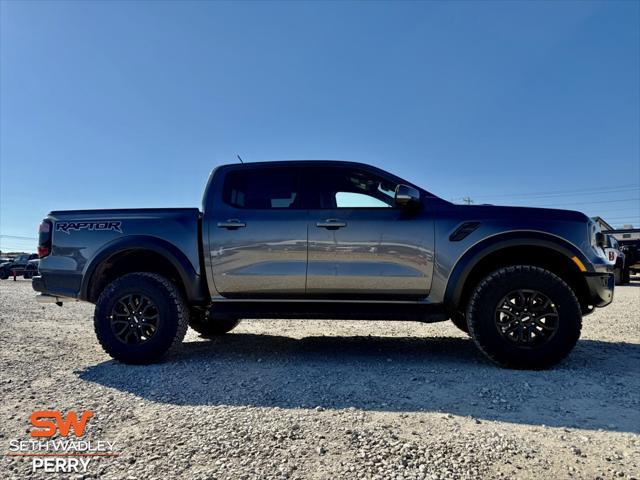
point(328, 310)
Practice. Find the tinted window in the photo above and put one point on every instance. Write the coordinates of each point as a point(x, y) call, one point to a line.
point(262, 188)
point(349, 188)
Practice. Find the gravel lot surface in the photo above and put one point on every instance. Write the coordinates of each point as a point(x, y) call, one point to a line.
point(321, 400)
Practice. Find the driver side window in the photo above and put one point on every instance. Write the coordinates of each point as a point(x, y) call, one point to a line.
point(351, 188)
point(358, 200)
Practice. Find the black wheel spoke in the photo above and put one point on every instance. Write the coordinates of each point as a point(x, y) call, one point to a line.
point(123, 329)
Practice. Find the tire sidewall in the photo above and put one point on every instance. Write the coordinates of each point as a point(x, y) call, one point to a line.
point(482, 311)
point(167, 329)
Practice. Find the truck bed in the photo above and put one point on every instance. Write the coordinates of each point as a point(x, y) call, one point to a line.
point(83, 239)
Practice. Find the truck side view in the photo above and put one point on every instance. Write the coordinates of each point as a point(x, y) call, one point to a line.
point(330, 240)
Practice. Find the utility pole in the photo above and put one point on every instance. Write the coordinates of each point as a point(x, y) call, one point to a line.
point(467, 200)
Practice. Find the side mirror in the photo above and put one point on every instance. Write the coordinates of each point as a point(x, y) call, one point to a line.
point(406, 196)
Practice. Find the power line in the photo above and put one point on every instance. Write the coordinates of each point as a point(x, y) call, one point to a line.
point(590, 203)
point(18, 237)
point(627, 187)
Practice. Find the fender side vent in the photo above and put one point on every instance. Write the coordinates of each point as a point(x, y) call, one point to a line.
point(463, 230)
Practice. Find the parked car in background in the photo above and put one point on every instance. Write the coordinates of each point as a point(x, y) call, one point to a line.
point(617, 257)
point(629, 240)
point(31, 270)
point(631, 250)
point(17, 265)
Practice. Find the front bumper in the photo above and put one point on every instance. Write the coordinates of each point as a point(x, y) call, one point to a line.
point(601, 286)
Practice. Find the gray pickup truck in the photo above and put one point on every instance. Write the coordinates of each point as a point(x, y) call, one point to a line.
point(334, 240)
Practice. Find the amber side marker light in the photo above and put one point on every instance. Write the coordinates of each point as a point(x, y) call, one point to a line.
point(580, 265)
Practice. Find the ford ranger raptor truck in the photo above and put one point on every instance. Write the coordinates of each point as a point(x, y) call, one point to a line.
point(334, 240)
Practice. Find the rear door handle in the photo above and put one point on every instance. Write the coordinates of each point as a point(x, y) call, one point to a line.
point(232, 224)
point(331, 223)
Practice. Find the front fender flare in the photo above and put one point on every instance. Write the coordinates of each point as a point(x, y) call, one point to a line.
point(472, 256)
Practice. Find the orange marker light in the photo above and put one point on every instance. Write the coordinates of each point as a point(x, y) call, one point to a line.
point(580, 265)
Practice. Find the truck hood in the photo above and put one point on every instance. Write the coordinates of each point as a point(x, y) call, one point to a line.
point(520, 214)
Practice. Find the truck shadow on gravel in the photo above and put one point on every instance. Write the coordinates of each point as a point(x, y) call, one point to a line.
point(596, 388)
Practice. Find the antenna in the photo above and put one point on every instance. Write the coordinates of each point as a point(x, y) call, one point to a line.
point(240, 159)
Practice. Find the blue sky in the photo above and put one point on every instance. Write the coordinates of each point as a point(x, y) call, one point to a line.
point(131, 104)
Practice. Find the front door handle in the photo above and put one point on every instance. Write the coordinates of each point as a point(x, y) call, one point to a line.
point(331, 223)
point(232, 224)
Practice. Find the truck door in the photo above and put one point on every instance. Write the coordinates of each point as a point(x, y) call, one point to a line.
point(258, 233)
point(360, 243)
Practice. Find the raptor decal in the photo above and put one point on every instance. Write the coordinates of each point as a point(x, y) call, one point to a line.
point(100, 225)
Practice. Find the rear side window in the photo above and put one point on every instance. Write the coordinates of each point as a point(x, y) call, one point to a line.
point(262, 189)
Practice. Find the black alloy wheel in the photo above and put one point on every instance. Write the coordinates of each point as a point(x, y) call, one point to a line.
point(526, 318)
point(134, 318)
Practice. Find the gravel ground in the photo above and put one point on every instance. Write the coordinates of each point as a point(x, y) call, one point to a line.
point(320, 399)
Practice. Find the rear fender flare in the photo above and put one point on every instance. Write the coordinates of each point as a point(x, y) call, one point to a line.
point(190, 278)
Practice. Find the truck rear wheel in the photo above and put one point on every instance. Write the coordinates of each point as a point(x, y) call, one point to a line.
point(524, 317)
point(209, 327)
point(139, 317)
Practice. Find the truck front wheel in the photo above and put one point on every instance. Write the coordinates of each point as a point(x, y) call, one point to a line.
point(207, 326)
point(524, 317)
point(618, 274)
point(139, 317)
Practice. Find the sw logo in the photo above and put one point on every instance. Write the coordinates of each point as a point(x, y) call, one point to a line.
point(48, 422)
point(68, 454)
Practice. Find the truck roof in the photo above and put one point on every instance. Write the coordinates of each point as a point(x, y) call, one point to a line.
point(299, 162)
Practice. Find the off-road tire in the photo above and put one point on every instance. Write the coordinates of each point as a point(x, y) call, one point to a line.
point(209, 327)
point(173, 318)
point(481, 313)
point(626, 276)
point(618, 276)
point(460, 321)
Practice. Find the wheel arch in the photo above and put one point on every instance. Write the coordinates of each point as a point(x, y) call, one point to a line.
point(141, 253)
point(516, 248)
